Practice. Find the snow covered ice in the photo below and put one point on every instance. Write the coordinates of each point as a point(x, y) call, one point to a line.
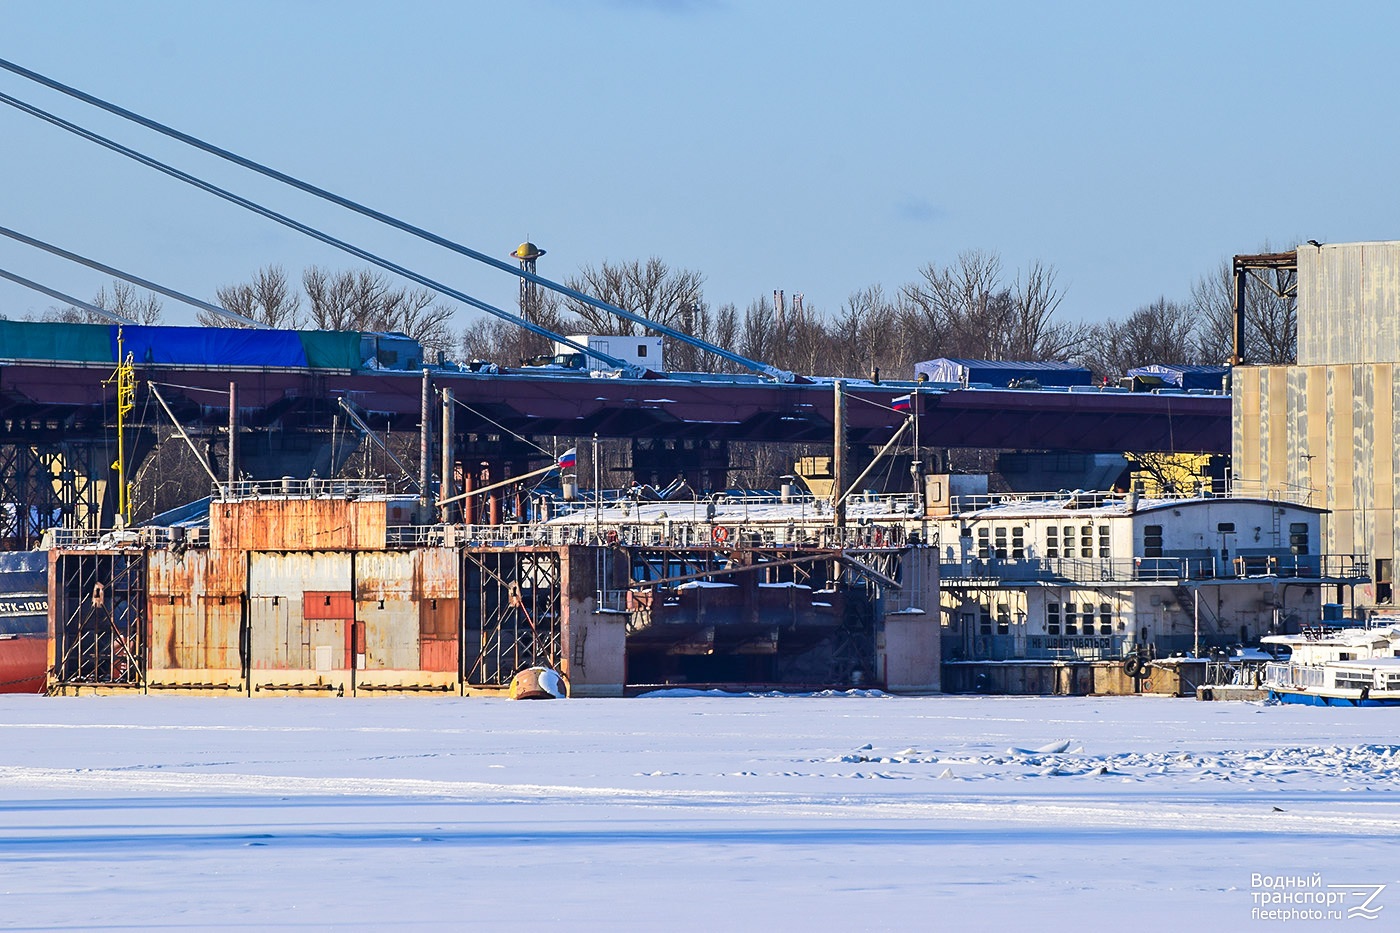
point(685, 812)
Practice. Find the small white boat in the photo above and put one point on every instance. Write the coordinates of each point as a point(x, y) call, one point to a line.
point(1337, 667)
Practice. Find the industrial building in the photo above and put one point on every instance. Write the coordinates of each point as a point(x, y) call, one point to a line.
point(325, 588)
point(1091, 576)
point(1325, 430)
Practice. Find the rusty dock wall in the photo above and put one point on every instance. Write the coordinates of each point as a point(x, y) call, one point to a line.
point(325, 596)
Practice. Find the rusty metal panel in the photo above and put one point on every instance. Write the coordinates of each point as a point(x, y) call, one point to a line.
point(386, 608)
point(439, 655)
point(327, 604)
point(384, 575)
point(211, 572)
point(281, 635)
point(436, 571)
point(438, 618)
point(222, 618)
point(436, 581)
point(298, 524)
point(390, 634)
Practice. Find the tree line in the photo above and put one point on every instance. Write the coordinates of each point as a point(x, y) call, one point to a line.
point(969, 308)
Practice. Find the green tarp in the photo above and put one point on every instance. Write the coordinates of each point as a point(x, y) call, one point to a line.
point(331, 349)
point(37, 340)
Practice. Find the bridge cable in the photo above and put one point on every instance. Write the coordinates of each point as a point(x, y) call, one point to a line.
point(135, 280)
point(773, 372)
point(89, 308)
point(301, 228)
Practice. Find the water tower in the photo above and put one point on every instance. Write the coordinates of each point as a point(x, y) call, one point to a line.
point(528, 253)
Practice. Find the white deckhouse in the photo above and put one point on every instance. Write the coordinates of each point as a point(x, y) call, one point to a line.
point(1097, 575)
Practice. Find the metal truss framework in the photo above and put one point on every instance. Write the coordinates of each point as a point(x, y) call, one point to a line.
point(100, 613)
point(511, 607)
point(51, 485)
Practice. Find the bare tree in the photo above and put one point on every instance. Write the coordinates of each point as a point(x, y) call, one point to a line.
point(961, 302)
point(269, 298)
point(864, 336)
point(364, 299)
point(421, 316)
point(131, 304)
point(651, 289)
point(1030, 331)
point(123, 299)
point(967, 311)
point(756, 335)
point(1160, 332)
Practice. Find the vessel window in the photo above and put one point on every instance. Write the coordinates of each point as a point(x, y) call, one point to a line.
point(1071, 620)
point(1003, 618)
point(1052, 618)
point(1018, 543)
point(984, 543)
point(1103, 541)
point(1001, 542)
point(984, 620)
point(1086, 536)
point(1052, 542)
point(1298, 537)
point(1151, 540)
point(1105, 619)
point(1226, 528)
point(1069, 540)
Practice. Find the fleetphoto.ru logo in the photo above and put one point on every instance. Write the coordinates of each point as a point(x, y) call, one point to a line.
point(1285, 898)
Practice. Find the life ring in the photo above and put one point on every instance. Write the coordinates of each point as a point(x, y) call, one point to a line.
point(719, 534)
point(879, 537)
point(612, 536)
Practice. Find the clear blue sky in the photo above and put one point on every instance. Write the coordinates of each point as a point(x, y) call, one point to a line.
point(815, 146)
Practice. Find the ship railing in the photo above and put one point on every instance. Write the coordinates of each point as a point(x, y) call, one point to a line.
point(1293, 675)
point(612, 600)
point(1173, 570)
point(290, 487)
point(1092, 499)
point(616, 506)
point(1235, 673)
point(683, 535)
point(144, 536)
point(1066, 570)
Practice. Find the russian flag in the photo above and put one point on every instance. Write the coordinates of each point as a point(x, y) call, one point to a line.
point(903, 404)
point(568, 459)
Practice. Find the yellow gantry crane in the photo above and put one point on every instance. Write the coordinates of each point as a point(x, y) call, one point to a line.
point(125, 379)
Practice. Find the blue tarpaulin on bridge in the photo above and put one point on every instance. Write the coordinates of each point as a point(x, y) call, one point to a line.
point(211, 346)
point(1184, 376)
point(1001, 372)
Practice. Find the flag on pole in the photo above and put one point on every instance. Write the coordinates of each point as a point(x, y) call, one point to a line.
point(568, 459)
point(903, 404)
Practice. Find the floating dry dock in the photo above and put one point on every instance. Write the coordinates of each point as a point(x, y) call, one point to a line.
point(326, 588)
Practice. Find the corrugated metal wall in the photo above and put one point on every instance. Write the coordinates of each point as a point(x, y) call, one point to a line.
point(298, 525)
point(1331, 430)
point(1348, 303)
point(196, 616)
point(300, 618)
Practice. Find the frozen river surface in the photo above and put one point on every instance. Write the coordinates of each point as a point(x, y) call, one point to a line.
point(694, 813)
